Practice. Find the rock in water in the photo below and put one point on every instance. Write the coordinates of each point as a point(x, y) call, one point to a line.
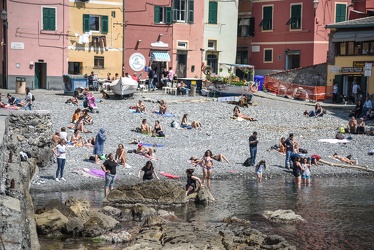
point(283, 216)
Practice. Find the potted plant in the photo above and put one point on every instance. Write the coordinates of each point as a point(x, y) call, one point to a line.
point(220, 69)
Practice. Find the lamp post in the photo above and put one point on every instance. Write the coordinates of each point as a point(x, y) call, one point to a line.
point(4, 16)
point(315, 6)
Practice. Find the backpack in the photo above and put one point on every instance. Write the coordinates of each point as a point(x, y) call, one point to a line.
point(32, 97)
point(247, 162)
point(341, 130)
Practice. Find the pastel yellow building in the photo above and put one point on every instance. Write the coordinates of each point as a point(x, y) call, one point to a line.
point(350, 57)
point(95, 37)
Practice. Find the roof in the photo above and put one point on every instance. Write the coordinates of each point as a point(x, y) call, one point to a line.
point(366, 22)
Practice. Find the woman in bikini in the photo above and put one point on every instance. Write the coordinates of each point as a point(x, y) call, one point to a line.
point(87, 118)
point(76, 138)
point(194, 124)
point(145, 128)
point(121, 155)
point(220, 158)
point(162, 107)
point(238, 114)
point(207, 164)
point(146, 152)
point(158, 130)
point(140, 107)
point(344, 159)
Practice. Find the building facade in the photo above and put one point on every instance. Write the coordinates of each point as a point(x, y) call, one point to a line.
point(95, 38)
point(292, 34)
point(220, 34)
point(351, 55)
point(34, 43)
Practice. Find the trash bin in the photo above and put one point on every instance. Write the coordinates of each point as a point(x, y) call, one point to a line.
point(260, 80)
point(192, 91)
point(72, 82)
point(20, 85)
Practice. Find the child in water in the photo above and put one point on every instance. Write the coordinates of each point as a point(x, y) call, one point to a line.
point(191, 181)
point(305, 166)
point(259, 168)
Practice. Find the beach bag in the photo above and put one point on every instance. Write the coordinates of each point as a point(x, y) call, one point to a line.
point(342, 130)
point(339, 136)
point(92, 158)
point(303, 151)
point(32, 97)
point(247, 162)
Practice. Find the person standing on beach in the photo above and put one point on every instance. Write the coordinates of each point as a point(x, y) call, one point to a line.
point(261, 166)
point(99, 145)
point(253, 141)
point(60, 151)
point(288, 143)
point(110, 169)
point(28, 99)
point(335, 93)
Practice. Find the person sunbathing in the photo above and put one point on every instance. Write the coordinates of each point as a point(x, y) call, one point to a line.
point(145, 128)
point(76, 115)
point(194, 124)
point(56, 137)
point(121, 155)
point(344, 159)
point(352, 125)
point(146, 152)
point(162, 107)
point(14, 101)
point(76, 138)
point(237, 114)
point(158, 130)
point(220, 158)
point(87, 119)
point(140, 107)
point(89, 143)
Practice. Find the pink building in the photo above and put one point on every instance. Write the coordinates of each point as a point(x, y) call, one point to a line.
point(34, 43)
point(360, 9)
point(292, 34)
point(148, 36)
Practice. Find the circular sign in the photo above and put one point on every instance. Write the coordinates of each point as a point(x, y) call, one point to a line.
point(137, 62)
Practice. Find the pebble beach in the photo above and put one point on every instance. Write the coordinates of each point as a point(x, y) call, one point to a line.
point(220, 133)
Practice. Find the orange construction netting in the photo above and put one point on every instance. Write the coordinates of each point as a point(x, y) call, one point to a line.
point(297, 91)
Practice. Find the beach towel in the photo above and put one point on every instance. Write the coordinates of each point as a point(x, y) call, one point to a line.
point(99, 173)
point(11, 107)
point(152, 145)
point(153, 158)
point(134, 111)
point(167, 114)
point(334, 141)
point(168, 175)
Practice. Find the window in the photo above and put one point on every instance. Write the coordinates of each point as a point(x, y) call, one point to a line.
point(49, 18)
point(351, 46)
point(95, 23)
point(268, 55)
point(340, 12)
point(295, 20)
point(243, 27)
point(342, 49)
point(182, 45)
point(212, 44)
point(242, 57)
point(162, 14)
point(183, 11)
point(98, 62)
point(74, 68)
point(213, 11)
point(212, 61)
point(267, 18)
point(355, 48)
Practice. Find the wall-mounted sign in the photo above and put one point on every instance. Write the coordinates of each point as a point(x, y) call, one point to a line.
point(255, 48)
point(16, 45)
point(334, 69)
point(361, 63)
point(351, 70)
point(137, 62)
point(367, 68)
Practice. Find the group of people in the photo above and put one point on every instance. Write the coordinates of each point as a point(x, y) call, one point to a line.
point(363, 110)
point(16, 103)
point(157, 130)
point(355, 127)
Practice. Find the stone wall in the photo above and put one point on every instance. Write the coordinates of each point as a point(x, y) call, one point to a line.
point(315, 75)
point(28, 132)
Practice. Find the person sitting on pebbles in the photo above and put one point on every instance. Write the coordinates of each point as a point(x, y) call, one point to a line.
point(237, 115)
point(121, 155)
point(145, 128)
point(158, 130)
point(146, 152)
point(76, 115)
point(76, 139)
point(140, 107)
point(162, 107)
point(352, 125)
point(185, 124)
point(347, 159)
point(56, 137)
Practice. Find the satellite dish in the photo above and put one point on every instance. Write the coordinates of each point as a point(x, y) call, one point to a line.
point(207, 70)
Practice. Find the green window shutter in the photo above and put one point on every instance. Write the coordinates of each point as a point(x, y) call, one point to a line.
point(104, 24)
point(49, 19)
point(340, 13)
point(296, 16)
point(86, 23)
point(213, 8)
point(190, 11)
point(268, 18)
point(169, 19)
point(157, 12)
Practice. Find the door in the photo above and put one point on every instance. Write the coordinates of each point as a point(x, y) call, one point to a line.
point(40, 75)
point(292, 59)
point(181, 65)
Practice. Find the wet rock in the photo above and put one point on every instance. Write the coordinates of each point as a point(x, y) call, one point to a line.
point(233, 219)
point(57, 204)
point(151, 192)
point(203, 195)
point(283, 216)
point(50, 221)
point(78, 206)
point(111, 211)
point(74, 226)
point(98, 224)
point(121, 237)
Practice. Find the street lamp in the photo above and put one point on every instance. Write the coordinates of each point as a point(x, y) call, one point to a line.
point(315, 6)
point(4, 16)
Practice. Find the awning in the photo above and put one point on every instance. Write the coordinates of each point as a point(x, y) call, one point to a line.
point(244, 22)
point(344, 36)
point(363, 36)
point(160, 56)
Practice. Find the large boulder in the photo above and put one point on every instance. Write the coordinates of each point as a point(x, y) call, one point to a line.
point(57, 204)
point(148, 192)
point(282, 216)
point(121, 237)
point(50, 221)
point(97, 224)
point(74, 226)
point(78, 206)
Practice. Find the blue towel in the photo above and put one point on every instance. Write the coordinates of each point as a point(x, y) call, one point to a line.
point(134, 111)
point(151, 145)
point(167, 114)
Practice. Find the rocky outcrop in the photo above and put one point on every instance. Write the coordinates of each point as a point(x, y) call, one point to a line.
point(283, 216)
point(50, 222)
point(27, 132)
point(150, 192)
